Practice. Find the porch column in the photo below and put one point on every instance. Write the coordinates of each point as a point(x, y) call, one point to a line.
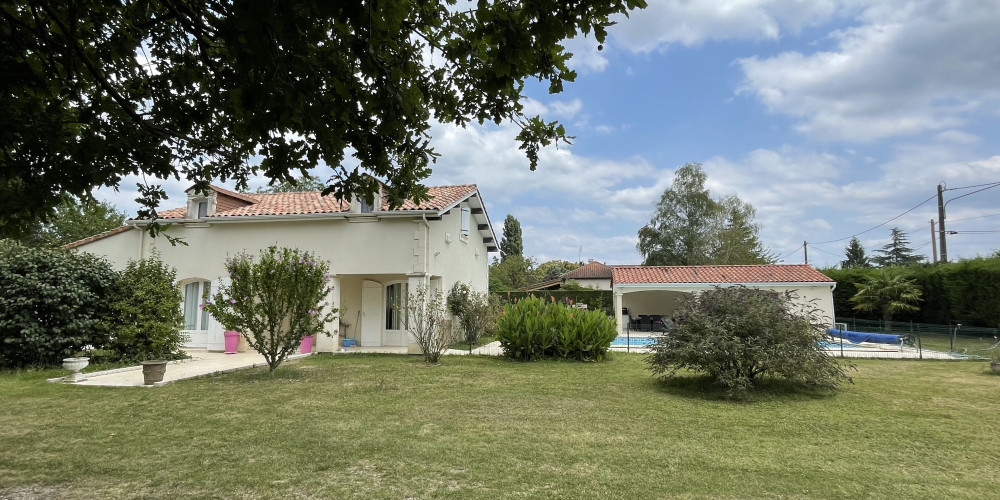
point(330, 341)
point(618, 312)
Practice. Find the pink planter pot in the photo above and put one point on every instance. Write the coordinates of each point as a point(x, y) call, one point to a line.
point(232, 341)
point(306, 346)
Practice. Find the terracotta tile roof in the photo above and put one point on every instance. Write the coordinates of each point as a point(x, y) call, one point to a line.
point(312, 202)
point(98, 236)
point(592, 270)
point(774, 273)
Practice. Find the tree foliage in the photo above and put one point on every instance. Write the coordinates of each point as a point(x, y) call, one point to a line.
point(74, 219)
point(512, 273)
point(689, 227)
point(552, 269)
point(511, 244)
point(297, 184)
point(145, 312)
point(855, 255)
point(476, 312)
point(93, 91)
point(274, 300)
point(53, 303)
point(896, 252)
point(739, 335)
point(887, 291)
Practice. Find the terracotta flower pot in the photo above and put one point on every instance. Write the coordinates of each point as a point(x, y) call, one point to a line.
point(152, 371)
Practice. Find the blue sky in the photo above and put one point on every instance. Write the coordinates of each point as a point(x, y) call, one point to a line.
point(829, 116)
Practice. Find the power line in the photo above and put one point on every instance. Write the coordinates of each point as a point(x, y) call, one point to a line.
point(977, 217)
point(975, 186)
point(789, 253)
point(918, 205)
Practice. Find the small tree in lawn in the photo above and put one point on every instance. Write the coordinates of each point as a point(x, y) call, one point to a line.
point(476, 312)
point(738, 335)
point(274, 300)
point(424, 318)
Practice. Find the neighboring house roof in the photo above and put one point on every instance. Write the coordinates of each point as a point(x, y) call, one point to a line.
point(98, 236)
point(773, 273)
point(592, 270)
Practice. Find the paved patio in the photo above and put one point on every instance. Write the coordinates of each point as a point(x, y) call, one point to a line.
point(205, 363)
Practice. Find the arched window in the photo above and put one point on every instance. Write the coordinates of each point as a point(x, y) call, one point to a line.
point(195, 318)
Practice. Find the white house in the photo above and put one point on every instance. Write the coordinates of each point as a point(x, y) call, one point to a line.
point(377, 255)
point(659, 290)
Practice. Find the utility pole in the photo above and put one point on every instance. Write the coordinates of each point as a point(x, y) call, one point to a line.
point(944, 244)
point(805, 250)
point(933, 244)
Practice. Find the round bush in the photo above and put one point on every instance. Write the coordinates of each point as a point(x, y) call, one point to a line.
point(52, 304)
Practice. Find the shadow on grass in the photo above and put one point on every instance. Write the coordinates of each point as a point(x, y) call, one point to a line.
point(764, 390)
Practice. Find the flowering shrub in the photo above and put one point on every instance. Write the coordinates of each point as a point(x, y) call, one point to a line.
point(274, 300)
point(533, 329)
point(424, 319)
point(738, 335)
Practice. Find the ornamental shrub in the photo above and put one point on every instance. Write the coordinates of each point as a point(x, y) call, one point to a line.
point(53, 303)
point(738, 335)
point(274, 300)
point(146, 319)
point(476, 312)
point(532, 328)
point(423, 315)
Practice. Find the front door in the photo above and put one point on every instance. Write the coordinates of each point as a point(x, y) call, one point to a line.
point(371, 314)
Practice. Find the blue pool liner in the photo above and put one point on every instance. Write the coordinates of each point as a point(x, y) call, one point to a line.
point(878, 338)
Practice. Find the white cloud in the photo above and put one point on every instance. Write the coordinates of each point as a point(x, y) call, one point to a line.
point(905, 68)
point(690, 23)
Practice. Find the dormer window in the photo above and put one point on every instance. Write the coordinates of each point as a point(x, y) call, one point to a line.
point(359, 205)
point(202, 209)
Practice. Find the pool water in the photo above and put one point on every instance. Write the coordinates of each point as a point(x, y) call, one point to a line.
point(632, 342)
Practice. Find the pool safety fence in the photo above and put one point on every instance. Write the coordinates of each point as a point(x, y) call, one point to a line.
point(904, 340)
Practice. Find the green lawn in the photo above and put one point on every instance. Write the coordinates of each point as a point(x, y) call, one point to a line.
point(359, 426)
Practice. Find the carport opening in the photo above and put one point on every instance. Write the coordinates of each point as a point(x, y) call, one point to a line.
point(651, 310)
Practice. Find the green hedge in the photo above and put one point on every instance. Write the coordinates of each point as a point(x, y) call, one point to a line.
point(966, 292)
point(602, 300)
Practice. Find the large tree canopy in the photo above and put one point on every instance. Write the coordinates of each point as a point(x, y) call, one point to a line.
point(92, 91)
point(689, 227)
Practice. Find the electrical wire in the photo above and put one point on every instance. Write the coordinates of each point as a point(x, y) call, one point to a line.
point(918, 205)
point(970, 218)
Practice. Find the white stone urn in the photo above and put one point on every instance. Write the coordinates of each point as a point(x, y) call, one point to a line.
point(75, 365)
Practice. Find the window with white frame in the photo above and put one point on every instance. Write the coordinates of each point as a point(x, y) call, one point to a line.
point(195, 318)
point(395, 304)
point(466, 222)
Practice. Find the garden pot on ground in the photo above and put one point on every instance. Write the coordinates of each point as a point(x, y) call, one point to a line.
point(306, 346)
point(152, 371)
point(232, 341)
point(995, 366)
point(75, 365)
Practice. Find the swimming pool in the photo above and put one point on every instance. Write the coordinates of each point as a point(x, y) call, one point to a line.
point(632, 342)
point(826, 344)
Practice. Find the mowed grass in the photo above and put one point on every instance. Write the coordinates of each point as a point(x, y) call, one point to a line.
point(357, 426)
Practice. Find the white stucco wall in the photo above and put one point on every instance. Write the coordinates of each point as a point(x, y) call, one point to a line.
point(384, 250)
point(595, 283)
